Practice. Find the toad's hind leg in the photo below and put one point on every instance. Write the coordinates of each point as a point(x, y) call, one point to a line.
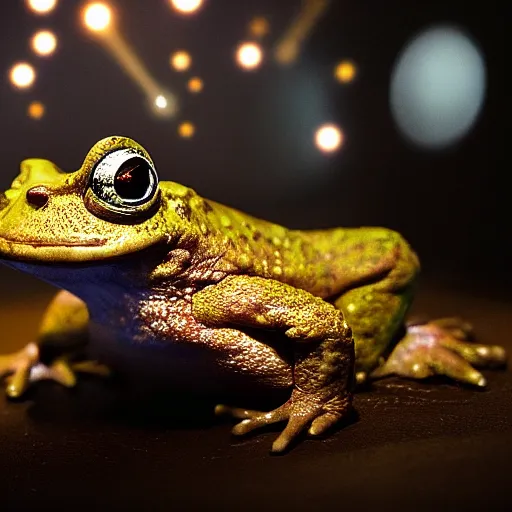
point(376, 311)
point(441, 347)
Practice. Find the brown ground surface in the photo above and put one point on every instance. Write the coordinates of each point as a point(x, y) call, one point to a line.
point(412, 446)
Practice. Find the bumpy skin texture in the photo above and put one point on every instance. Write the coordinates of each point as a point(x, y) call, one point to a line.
point(175, 268)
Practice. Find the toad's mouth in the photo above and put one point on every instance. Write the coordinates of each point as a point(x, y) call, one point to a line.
point(94, 242)
point(74, 251)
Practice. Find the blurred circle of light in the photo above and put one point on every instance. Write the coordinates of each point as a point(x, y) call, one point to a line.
point(22, 75)
point(97, 16)
point(249, 55)
point(36, 110)
point(44, 42)
point(181, 60)
point(186, 130)
point(437, 87)
point(160, 101)
point(164, 104)
point(328, 138)
point(187, 6)
point(41, 6)
point(345, 71)
point(195, 84)
point(259, 27)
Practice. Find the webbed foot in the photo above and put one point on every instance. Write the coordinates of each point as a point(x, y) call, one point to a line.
point(24, 367)
point(302, 410)
point(441, 347)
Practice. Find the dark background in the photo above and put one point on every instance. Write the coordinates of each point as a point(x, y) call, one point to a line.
point(253, 148)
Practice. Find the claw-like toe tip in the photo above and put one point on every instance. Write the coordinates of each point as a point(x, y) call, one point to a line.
point(314, 431)
point(220, 409)
point(240, 428)
point(482, 382)
point(13, 391)
point(279, 446)
point(499, 353)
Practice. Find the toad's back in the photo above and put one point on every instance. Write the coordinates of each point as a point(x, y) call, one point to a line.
point(323, 262)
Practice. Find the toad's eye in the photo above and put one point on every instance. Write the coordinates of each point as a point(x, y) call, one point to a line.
point(133, 179)
point(125, 180)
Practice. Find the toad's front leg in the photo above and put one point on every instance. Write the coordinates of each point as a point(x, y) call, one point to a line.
point(63, 333)
point(323, 349)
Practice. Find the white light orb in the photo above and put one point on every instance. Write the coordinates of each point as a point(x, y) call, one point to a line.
point(438, 87)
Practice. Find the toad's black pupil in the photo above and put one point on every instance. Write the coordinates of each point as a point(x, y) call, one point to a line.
point(133, 179)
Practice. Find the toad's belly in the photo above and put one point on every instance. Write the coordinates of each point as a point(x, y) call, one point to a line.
point(205, 366)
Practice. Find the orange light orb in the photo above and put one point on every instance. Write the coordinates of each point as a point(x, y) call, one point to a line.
point(22, 75)
point(36, 110)
point(41, 6)
point(259, 27)
point(195, 85)
point(186, 130)
point(249, 55)
point(181, 60)
point(97, 16)
point(44, 43)
point(328, 138)
point(186, 6)
point(345, 71)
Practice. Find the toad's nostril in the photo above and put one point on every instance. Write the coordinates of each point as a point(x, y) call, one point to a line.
point(38, 196)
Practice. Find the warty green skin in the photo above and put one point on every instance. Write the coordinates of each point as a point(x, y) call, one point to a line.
point(185, 270)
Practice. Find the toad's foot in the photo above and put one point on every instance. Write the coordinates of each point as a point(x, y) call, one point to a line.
point(24, 367)
point(439, 347)
point(302, 410)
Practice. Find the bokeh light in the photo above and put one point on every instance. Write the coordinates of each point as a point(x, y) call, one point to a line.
point(328, 138)
point(160, 101)
point(41, 6)
point(437, 87)
point(44, 42)
point(259, 27)
point(164, 104)
point(186, 130)
point(287, 51)
point(345, 71)
point(22, 75)
point(97, 16)
point(195, 84)
point(249, 55)
point(36, 110)
point(186, 6)
point(181, 60)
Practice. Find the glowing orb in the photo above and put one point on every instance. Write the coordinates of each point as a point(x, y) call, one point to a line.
point(249, 55)
point(259, 27)
point(41, 6)
point(181, 60)
point(195, 84)
point(36, 110)
point(186, 130)
point(345, 71)
point(164, 104)
point(186, 6)
point(161, 101)
point(22, 75)
point(44, 42)
point(328, 138)
point(437, 87)
point(97, 16)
